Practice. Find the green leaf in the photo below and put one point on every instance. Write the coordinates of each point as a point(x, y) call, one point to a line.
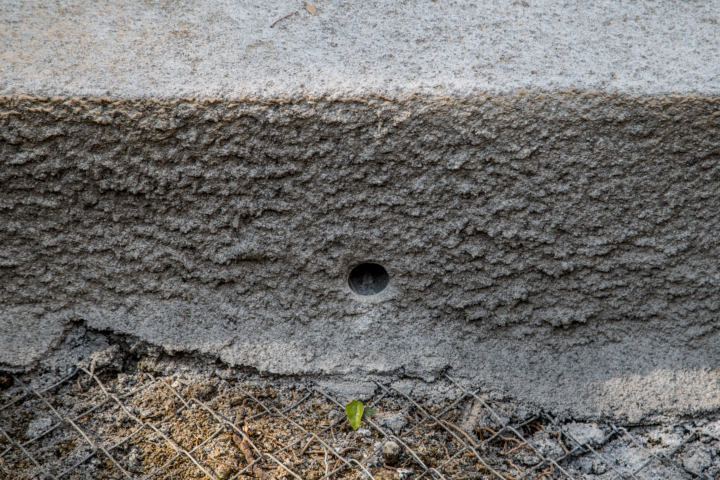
point(354, 411)
point(370, 412)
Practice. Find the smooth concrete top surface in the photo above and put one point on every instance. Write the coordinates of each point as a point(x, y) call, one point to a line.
point(127, 48)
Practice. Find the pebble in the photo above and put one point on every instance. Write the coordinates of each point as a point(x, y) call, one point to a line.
point(395, 423)
point(391, 452)
point(225, 471)
point(547, 445)
point(585, 433)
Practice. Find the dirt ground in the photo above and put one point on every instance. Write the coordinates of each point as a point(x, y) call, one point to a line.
point(116, 418)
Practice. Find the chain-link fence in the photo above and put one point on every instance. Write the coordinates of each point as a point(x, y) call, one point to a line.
point(97, 424)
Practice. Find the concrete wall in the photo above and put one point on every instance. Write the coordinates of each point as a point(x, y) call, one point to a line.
point(558, 246)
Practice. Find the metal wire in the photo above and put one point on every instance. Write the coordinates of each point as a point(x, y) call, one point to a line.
point(486, 453)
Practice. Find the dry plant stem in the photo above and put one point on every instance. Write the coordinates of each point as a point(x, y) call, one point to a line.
point(304, 449)
point(492, 432)
point(247, 451)
point(462, 432)
point(514, 448)
point(446, 451)
point(347, 449)
point(283, 18)
point(547, 473)
point(560, 442)
point(510, 439)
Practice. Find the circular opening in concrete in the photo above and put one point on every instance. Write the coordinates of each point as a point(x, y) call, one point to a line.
point(368, 279)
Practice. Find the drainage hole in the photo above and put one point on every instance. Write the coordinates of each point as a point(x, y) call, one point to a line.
point(368, 279)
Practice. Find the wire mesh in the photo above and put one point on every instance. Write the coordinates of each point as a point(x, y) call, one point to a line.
point(113, 425)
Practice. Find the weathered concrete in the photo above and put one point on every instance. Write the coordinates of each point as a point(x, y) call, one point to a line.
point(558, 246)
point(132, 48)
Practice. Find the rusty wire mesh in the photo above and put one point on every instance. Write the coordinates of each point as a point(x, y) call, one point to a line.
point(109, 425)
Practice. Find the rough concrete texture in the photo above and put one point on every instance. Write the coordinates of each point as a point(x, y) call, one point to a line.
point(559, 247)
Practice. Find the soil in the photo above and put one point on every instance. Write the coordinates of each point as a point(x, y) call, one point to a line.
point(147, 422)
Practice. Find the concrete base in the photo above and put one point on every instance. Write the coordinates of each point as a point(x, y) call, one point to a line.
point(562, 248)
point(557, 246)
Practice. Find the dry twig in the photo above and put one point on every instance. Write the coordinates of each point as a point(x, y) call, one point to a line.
point(462, 432)
point(246, 450)
point(304, 449)
point(523, 444)
point(283, 18)
point(347, 449)
point(480, 429)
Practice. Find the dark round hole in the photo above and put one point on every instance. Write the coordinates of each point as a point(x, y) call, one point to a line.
point(368, 279)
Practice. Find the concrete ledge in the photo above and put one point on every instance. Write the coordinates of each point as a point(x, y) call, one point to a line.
point(133, 48)
point(557, 244)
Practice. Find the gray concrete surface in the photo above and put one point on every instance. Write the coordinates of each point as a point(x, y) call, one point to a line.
point(540, 181)
point(226, 48)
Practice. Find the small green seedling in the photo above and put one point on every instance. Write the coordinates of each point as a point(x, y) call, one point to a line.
point(355, 411)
